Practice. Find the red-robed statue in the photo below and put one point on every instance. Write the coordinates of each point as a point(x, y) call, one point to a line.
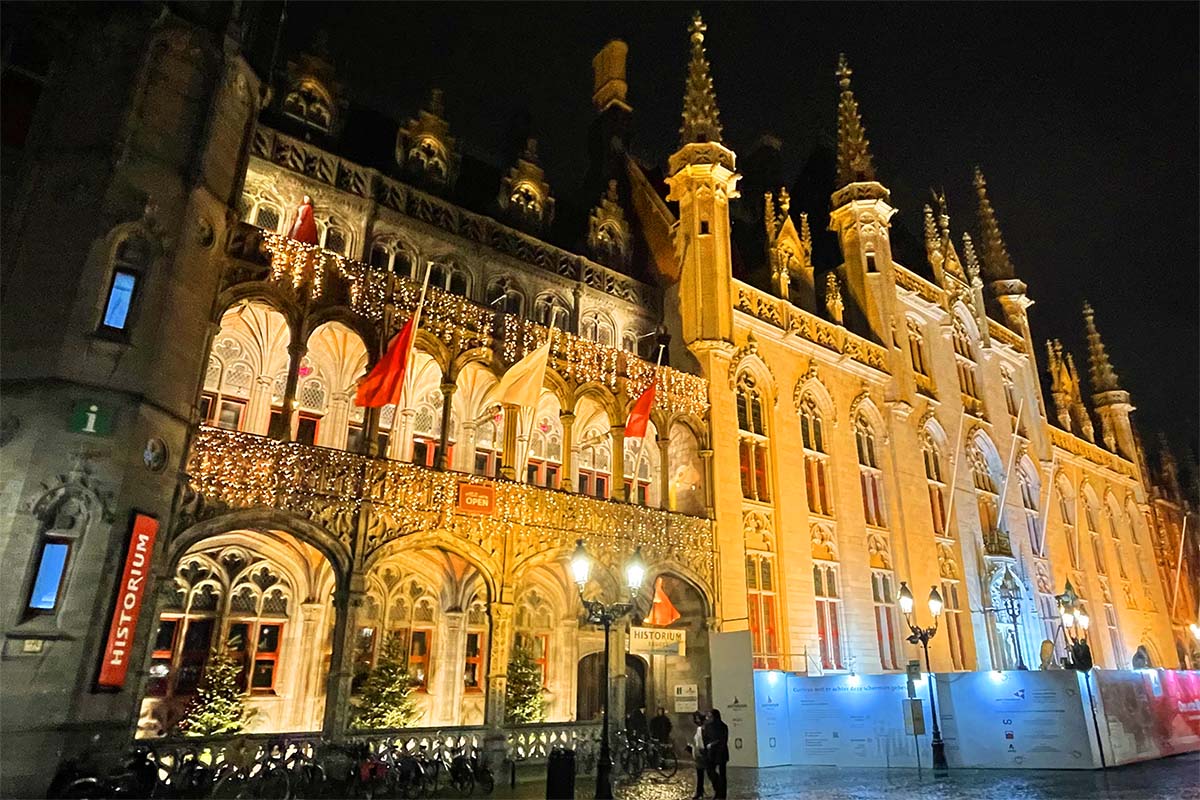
point(305, 228)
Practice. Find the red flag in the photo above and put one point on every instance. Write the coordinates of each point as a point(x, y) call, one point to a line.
point(663, 611)
point(639, 415)
point(382, 385)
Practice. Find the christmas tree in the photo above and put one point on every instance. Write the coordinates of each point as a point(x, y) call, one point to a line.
point(386, 700)
point(217, 706)
point(524, 697)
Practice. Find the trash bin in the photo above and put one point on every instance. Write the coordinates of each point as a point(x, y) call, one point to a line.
point(560, 774)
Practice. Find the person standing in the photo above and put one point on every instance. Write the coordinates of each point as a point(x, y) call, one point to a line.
point(660, 726)
point(716, 752)
point(305, 227)
point(696, 748)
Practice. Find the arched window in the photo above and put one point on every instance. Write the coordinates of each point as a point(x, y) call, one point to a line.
point(816, 459)
point(544, 465)
point(964, 360)
point(936, 485)
point(335, 236)
point(829, 613)
point(1113, 515)
point(1011, 402)
point(549, 309)
point(752, 432)
point(1030, 496)
point(412, 610)
point(629, 342)
point(761, 586)
point(503, 296)
point(870, 476)
point(596, 326)
point(308, 102)
point(987, 492)
point(1091, 514)
point(475, 656)
point(427, 431)
point(883, 596)
point(1066, 510)
point(449, 278)
point(267, 215)
point(952, 609)
point(595, 457)
point(489, 444)
point(534, 630)
point(389, 256)
point(643, 455)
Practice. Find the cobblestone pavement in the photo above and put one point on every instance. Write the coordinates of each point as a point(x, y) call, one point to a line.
point(1176, 778)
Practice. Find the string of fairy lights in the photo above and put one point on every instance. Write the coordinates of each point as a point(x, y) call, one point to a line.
point(245, 470)
point(459, 322)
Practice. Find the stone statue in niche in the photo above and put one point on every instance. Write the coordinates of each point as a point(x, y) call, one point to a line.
point(305, 227)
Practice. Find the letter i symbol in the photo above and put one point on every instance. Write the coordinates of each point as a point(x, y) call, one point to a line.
point(90, 427)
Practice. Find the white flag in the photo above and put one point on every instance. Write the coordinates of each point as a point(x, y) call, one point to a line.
point(522, 384)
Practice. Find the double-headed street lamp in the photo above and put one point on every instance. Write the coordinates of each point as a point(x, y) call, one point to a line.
point(602, 614)
point(1075, 623)
point(1010, 597)
point(922, 636)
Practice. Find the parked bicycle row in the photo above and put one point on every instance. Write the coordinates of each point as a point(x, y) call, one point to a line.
point(283, 769)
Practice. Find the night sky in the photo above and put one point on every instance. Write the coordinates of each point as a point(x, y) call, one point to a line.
point(1082, 116)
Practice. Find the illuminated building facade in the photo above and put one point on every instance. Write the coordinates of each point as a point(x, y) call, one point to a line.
point(198, 370)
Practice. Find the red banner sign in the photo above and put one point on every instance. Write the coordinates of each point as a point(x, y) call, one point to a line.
point(129, 602)
point(476, 498)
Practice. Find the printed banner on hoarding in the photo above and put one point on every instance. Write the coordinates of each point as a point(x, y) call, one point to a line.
point(130, 592)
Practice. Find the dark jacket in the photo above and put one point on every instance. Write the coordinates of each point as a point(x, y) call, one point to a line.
point(660, 728)
point(716, 742)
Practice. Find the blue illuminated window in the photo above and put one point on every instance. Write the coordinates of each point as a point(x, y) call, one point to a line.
point(116, 313)
point(48, 582)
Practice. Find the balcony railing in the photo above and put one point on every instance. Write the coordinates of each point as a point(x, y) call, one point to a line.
point(787, 317)
point(368, 502)
point(1094, 453)
point(997, 543)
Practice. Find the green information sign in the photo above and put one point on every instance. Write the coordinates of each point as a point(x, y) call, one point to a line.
point(91, 418)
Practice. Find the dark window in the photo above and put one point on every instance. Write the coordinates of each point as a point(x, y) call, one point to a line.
point(703, 227)
point(306, 429)
point(48, 581)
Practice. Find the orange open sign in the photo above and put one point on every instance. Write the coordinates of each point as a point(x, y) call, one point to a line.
point(476, 498)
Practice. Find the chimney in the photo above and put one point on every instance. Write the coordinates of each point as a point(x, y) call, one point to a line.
point(608, 69)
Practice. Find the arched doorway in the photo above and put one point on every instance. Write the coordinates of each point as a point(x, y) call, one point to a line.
point(635, 684)
point(590, 680)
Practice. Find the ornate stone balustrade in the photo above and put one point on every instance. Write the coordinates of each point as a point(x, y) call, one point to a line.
point(927, 291)
point(925, 385)
point(997, 543)
point(1005, 336)
point(790, 319)
point(368, 503)
point(1094, 453)
point(318, 165)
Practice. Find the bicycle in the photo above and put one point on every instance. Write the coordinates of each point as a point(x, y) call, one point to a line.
point(137, 777)
point(661, 757)
point(248, 772)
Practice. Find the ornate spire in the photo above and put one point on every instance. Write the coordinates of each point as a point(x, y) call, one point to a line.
point(995, 256)
point(970, 258)
point(1103, 377)
point(853, 156)
point(805, 232)
point(701, 119)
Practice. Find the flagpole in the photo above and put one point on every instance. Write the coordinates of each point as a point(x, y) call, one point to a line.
point(637, 462)
point(523, 476)
point(406, 387)
point(1012, 460)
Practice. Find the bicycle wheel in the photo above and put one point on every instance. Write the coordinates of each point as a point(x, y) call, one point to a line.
point(272, 784)
point(668, 763)
point(485, 780)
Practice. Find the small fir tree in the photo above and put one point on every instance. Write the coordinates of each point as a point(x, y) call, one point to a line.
point(386, 700)
point(524, 696)
point(217, 707)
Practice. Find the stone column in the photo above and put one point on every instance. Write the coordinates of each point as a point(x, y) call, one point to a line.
point(618, 463)
point(335, 429)
point(664, 472)
point(400, 441)
point(568, 481)
point(464, 457)
point(448, 390)
point(449, 684)
point(616, 675)
point(304, 713)
point(569, 665)
point(707, 455)
point(284, 428)
point(512, 415)
point(346, 604)
point(501, 615)
point(258, 406)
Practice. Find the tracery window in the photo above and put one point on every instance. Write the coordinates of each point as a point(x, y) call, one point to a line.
point(411, 619)
point(952, 621)
point(544, 465)
point(550, 310)
point(309, 103)
point(595, 457)
point(916, 349)
point(389, 256)
point(475, 654)
point(964, 360)
point(816, 459)
point(1030, 495)
point(489, 444)
point(829, 614)
point(504, 296)
point(1091, 516)
point(646, 465)
point(764, 613)
point(598, 327)
point(534, 629)
point(883, 596)
point(987, 495)
point(754, 444)
point(1011, 401)
point(449, 278)
point(1066, 510)
point(870, 476)
point(935, 484)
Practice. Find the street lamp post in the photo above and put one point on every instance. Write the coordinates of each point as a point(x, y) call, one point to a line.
point(922, 636)
point(1010, 596)
point(600, 613)
point(1074, 623)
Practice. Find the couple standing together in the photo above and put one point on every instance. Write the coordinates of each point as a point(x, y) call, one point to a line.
point(710, 749)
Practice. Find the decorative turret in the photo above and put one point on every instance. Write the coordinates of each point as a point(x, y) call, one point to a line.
point(702, 180)
point(789, 252)
point(1111, 401)
point(861, 217)
point(1066, 392)
point(608, 232)
point(701, 118)
point(425, 149)
point(525, 198)
point(998, 272)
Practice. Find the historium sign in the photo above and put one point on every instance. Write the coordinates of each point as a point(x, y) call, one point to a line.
point(658, 641)
point(130, 592)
